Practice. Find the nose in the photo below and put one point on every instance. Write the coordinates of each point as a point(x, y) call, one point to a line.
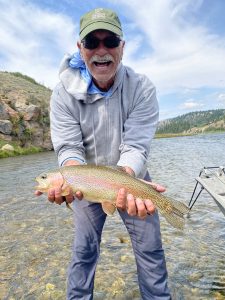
point(101, 49)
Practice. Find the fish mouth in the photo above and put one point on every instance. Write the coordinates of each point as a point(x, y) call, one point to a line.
point(41, 186)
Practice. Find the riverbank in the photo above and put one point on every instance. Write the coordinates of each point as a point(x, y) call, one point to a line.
point(17, 150)
point(171, 135)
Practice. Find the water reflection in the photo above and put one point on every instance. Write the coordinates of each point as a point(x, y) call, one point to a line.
point(36, 236)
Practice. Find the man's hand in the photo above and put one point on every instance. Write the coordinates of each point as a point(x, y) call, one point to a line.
point(137, 207)
point(54, 194)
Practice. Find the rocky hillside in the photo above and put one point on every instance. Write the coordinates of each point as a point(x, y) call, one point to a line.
point(24, 115)
point(194, 122)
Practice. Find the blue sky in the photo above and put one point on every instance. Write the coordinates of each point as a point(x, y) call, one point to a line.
point(178, 44)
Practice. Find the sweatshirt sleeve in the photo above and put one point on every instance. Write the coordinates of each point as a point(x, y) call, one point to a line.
point(139, 128)
point(65, 128)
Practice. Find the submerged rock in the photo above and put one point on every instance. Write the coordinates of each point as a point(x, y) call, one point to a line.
point(49, 287)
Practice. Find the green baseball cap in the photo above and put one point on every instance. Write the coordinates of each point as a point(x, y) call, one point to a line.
point(100, 18)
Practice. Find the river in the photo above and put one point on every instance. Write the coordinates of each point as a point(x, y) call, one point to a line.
point(36, 236)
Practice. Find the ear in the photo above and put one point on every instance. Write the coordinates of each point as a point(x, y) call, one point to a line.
point(122, 49)
point(79, 45)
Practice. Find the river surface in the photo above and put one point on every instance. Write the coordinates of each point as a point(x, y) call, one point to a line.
point(36, 236)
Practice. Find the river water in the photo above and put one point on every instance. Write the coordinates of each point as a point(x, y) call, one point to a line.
point(36, 236)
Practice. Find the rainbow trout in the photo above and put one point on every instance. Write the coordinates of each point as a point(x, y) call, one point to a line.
point(101, 184)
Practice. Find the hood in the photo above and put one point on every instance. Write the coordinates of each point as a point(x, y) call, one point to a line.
point(76, 86)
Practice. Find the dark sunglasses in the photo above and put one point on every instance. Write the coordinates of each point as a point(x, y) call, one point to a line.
point(91, 42)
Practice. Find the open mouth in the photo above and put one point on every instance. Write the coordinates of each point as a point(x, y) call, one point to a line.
point(102, 64)
point(41, 188)
point(41, 185)
point(102, 61)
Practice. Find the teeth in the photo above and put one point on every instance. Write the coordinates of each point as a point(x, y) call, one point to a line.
point(102, 61)
point(98, 59)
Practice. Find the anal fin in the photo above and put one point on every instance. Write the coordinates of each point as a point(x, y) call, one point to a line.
point(108, 208)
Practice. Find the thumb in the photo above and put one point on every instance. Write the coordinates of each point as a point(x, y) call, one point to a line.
point(158, 187)
point(38, 193)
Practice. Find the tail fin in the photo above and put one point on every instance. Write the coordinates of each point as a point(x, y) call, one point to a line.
point(181, 207)
point(176, 215)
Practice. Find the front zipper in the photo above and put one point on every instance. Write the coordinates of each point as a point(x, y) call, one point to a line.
point(107, 133)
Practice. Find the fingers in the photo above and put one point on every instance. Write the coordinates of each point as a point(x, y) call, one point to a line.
point(131, 205)
point(121, 199)
point(54, 195)
point(149, 206)
point(139, 207)
point(156, 186)
point(79, 195)
point(69, 198)
point(135, 207)
point(38, 193)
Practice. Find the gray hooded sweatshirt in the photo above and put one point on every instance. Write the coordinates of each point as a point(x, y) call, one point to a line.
point(93, 129)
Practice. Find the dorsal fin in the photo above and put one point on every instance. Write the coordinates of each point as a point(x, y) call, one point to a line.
point(119, 169)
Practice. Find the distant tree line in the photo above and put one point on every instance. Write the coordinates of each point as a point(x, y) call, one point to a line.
point(188, 121)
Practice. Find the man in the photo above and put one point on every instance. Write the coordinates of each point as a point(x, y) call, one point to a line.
point(104, 113)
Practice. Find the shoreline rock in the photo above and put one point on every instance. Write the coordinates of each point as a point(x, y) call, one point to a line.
point(7, 147)
point(24, 111)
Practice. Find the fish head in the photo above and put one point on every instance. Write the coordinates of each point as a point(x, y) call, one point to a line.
point(52, 179)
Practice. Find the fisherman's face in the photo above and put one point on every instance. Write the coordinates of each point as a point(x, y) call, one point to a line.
point(101, 61)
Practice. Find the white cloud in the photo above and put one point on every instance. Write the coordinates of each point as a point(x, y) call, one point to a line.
point(221, 98)
point(179, 54)
point(32, 40)
point(191, 104)
point(185, 55)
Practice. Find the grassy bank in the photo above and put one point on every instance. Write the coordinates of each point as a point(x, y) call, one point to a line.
point(171, 135)
point(17, 149)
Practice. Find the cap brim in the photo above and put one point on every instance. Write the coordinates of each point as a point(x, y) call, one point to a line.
point(98, 26)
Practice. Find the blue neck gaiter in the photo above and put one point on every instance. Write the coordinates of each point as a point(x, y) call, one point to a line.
point(76, 62)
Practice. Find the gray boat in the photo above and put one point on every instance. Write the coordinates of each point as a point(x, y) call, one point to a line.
point(212, 180)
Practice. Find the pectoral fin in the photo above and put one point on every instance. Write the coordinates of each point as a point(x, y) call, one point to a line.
point(66, 190)
point(108, 208)
point(69, 206)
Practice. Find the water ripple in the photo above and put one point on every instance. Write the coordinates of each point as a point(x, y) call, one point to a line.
point(36, 236)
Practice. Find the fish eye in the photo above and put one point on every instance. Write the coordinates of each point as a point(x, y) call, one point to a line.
point(43, 176)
